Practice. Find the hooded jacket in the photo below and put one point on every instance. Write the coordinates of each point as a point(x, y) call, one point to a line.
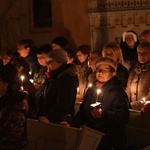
point(59, 94)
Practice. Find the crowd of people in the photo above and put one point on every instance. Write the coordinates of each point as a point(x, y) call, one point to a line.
point(44, 82)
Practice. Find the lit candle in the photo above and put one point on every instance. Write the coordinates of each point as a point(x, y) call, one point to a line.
point(21, 87)
point(143, 100)
point(96, 102)
point(30, 73)
point(90, 85)
point(98, 92)
point(31, 80)
point(77, 90)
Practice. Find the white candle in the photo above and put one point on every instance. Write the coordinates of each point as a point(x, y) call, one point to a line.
point(96, 102)
point(22, 78)
point(98, 92)
point(31, 80)
point(143, 100)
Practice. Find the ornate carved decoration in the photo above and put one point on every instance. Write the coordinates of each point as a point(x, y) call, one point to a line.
point(119, 12)
point(117, 5)
point(113, 19)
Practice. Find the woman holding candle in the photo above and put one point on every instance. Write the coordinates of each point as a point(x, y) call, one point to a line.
point(113, 113)
point(138, 85)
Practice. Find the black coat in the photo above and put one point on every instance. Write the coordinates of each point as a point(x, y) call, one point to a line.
point(122, 75)
point(114, 103)
point(59, 94)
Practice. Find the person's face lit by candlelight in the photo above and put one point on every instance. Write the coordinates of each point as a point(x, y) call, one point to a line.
point(104, 72)
point(143, 55)
point(42, 59)
point(24, 52)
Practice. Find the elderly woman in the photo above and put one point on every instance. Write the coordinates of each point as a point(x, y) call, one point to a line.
point(138, 86)
point(113, 51)
point(59, 93)
point(112, 114)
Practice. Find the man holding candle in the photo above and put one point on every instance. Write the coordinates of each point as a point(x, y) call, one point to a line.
point(111, 116)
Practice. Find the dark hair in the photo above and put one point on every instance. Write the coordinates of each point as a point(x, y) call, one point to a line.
point(97, 52)
point(85, 49)
point(20, 61)
point(44, 49)
point(8, 74)
point(28, 43)
point(60, 40)
point(70, 53)
point(18, 96)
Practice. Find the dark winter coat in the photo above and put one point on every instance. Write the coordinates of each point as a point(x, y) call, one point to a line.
point(122, 75)
point(58, 97)
point(115, 115)
point(13, 129)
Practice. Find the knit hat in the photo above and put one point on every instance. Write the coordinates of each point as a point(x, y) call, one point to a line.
point(106, 61)
point(58, 55)
point(61, 41)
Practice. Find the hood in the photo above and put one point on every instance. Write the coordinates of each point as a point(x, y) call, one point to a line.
point(68, 69)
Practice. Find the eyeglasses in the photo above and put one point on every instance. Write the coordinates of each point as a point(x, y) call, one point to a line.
point(103, 70)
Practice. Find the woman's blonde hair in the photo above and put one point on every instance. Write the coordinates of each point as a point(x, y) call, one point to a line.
point(116, 50)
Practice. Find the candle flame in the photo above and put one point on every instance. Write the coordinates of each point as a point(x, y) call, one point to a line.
point(31, 80)
point(90, 85)
point(22, 78)
point(98, 91)
point(77, 89)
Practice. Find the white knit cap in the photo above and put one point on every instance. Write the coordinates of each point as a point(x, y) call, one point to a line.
point(106, 61)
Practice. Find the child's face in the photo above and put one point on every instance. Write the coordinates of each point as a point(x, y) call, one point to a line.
point(42, 59)
point(24, 52)
point(143, 55)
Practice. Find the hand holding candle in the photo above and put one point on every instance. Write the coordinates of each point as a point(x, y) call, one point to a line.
point(96, 101)
point(144, 101)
